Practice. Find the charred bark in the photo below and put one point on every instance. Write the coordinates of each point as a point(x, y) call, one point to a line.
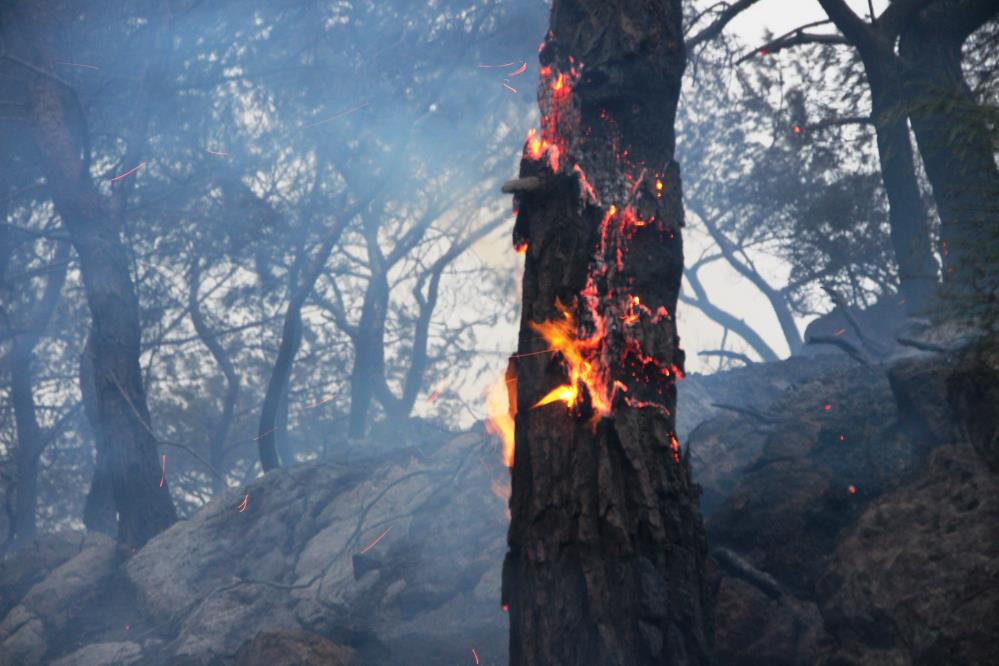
point(606, 547)
point(99, 513)
point(144, 507)
point(952, 133)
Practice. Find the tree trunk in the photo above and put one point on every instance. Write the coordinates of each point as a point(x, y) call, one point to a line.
point(277, 386)
point(219, 434)
point(954, 139)
point(369, 352)
point(144, 507)
point(606, 548)
point(99, 514)
point(907, 216)
point(29, 439)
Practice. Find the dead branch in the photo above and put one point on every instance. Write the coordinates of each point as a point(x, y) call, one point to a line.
point(724, 353)
point(845, 345)
point(529, 184)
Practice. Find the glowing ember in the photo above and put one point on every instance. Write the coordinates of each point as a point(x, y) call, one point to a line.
point(520, 70)
point(501, 404)
point(674, 446)
point(509, 87)
point(797, 129)
point(505, 608)
point(163, 474)
point(521, 247)
point(852, 490)
point(437, 392)
point(375, 542)
point(476, 655)
point(322, 402)
point(245, 503)
point(129, 172)
point(839, 331)
point(827, 407)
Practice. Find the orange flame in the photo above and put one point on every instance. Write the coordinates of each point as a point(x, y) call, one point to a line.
point(580, 356)
point(501, 404)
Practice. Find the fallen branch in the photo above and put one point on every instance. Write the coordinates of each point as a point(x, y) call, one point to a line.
point(845, 345)
point(724, 353)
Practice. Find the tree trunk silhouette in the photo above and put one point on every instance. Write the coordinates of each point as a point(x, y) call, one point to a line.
point(31, 440)
point(99, 513)
point(144, 506)
point(606, 547)
point(219, 433)
point(952, 133)
point(907, 216)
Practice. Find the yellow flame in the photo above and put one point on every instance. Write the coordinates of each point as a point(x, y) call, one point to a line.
point(502, 408)
point(561, 336)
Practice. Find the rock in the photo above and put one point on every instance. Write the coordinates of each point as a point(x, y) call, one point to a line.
point(103, 654)
point(31, 628)
point(919, 384)
point(428, 527)
point(916, 579)
point(23, 568)
point(973, 395)
point(293, 648)
point(753, 628)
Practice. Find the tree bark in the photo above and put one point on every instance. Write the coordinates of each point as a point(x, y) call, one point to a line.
point(99, 513)
point(144, 506)
point(954, 139)
point(606, 548)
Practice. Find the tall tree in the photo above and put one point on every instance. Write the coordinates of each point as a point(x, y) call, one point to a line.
point(952, 132)
point(606, 547)
point(94, 222)
point(875, 43)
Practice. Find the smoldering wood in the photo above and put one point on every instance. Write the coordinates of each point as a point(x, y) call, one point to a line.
point(606, 548)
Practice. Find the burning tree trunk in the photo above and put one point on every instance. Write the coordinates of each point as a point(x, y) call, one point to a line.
point(606, 547)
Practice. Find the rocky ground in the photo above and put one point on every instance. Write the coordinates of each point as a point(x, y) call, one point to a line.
point(852, 512)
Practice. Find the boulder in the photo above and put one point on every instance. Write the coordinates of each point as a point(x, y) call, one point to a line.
point(973, 395)
point(373, 553)
point(293, 648)
point(916, 579)
point(103, 654)
point(32, 627)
